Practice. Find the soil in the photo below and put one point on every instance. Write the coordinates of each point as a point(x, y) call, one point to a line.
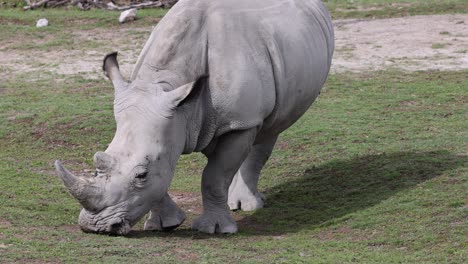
point(436, 42)
point(189, 202)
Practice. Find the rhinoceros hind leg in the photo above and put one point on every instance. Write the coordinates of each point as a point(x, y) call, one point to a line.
point(223, 162)
point(243, 193)
point(165, 216)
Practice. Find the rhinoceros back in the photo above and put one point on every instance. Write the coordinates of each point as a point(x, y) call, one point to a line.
point(266, 60)
point(300, 47)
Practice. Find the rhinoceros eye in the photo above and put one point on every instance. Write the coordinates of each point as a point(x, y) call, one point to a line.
point(142, 175)
point(140, 179)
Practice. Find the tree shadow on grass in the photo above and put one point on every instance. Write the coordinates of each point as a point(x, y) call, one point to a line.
point(327, 193)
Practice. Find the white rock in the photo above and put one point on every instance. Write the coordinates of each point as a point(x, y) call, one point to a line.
point(128, 15)
point(111, 5)
point(42, 23)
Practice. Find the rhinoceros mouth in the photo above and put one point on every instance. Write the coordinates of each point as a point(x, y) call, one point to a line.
point(111, 225)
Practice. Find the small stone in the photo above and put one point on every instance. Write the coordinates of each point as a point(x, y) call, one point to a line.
point(42, 23)
point(111, 5)
point(128, 15)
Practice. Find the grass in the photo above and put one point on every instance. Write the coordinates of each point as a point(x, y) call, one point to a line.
point(338, 8)
point(374, 172)
point(69, 17)
point(438, 45)
point(20, 26)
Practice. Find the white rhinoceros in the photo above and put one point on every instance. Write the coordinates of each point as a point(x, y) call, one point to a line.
point(222, 77)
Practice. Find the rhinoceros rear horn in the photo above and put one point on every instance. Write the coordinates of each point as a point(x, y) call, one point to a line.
point(82, 189)
point(103, 161)
point(112, 71)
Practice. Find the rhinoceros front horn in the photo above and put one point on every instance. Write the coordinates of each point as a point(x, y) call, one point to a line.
point(82, 189)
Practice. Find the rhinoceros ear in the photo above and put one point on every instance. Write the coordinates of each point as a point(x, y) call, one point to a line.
point(186, 92)
point(111, 69)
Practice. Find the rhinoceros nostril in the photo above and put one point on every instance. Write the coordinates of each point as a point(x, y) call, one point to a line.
point(115, 228)
point(119, 228)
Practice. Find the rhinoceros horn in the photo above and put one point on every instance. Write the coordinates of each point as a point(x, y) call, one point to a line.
point(82, 189)
point(103, 161)
point(111, 69)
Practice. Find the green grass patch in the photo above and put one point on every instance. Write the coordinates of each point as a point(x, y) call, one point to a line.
point(375, 172)
point(438, 46)
point(73, 17)
point(18, 28)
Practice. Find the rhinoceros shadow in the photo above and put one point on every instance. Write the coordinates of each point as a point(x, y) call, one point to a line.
point(328, 193)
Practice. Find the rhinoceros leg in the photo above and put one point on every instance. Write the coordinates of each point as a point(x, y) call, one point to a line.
point(223, 162)
point(243, 193)
point(165, 216)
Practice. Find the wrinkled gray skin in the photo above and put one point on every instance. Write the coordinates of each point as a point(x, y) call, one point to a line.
point(224, 78)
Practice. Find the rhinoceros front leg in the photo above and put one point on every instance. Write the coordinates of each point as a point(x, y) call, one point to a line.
point(223, 162)
point(243, 192)
point(165, 216)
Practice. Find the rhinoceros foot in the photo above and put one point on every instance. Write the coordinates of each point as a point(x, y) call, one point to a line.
point(244, 195)
point(164, 222)
point(246, 201)
point(165, 217)
point(212, 222)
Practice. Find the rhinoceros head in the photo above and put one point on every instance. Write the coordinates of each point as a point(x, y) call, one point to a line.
point(135, 171)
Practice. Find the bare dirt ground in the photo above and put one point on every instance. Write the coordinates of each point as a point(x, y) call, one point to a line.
point(437, 42)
